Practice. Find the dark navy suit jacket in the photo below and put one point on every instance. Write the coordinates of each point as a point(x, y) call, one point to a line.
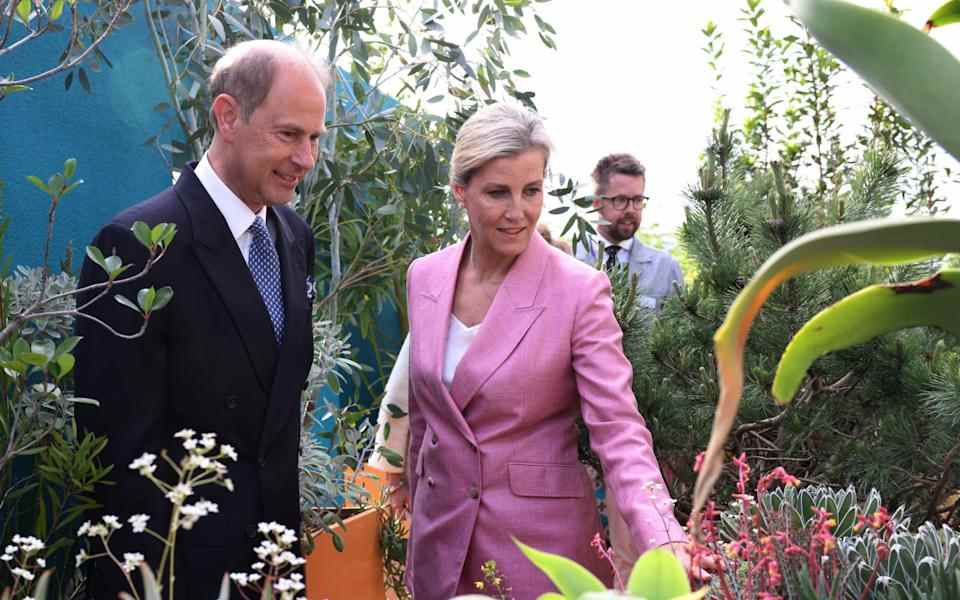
point(208, 362)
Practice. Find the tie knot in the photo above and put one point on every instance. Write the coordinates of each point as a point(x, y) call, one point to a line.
point(259, 228)
point(612, 250)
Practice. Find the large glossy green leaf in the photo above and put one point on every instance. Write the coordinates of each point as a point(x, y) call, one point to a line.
point(658, 575)
point(571, 579)
point(945, 15)
point(882, 241)
point(908, 68)
point(864, 315)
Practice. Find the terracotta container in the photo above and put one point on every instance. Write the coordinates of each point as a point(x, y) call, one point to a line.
point(354, 574)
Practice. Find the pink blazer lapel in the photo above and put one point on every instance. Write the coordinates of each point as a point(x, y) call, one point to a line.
point(513, 312)
point(436, 304)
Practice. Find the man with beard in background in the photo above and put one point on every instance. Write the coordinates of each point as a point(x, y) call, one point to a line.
point(620, 182)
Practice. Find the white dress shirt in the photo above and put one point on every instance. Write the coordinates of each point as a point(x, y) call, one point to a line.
point(626, 246)
point(238, 215)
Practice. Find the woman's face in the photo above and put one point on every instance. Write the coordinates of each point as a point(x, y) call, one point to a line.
point(503, 200)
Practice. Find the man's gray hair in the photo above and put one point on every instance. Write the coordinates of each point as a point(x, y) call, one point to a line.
point(496, 131)
point(245, 72)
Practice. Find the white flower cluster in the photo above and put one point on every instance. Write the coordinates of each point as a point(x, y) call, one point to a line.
point(26, 546)
point(277, 561)
point(104, 528)
point(191, 513)
point(131, 560)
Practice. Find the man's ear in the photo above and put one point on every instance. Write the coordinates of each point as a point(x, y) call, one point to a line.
point(226, 111)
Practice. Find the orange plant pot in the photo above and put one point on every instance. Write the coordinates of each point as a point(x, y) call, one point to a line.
point(354, 574)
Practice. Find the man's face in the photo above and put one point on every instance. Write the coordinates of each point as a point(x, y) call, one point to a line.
point(279, 144)
point(623, 222)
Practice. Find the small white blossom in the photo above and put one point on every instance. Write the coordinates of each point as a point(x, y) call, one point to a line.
point(227, 450)
point(208, 440)
point(112, 521)
point(191, 513)
point(6, 557)
point(131, 560)
point(28, 543)
point(41, 563)
point(288, 585)
point(185, 434)
point(198, 461)
point(81, 557)
point(145, 464)
point(257, 566)
point(179, 493)
point(189, 444)
point(139, 522)
point(242, 579)
point(25, 574)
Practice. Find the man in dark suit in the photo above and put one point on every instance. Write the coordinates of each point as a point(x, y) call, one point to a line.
point(231, 351)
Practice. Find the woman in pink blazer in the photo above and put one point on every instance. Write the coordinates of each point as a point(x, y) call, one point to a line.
point(510, 341)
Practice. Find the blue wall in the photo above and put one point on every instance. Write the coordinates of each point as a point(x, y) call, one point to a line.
point(104, 131)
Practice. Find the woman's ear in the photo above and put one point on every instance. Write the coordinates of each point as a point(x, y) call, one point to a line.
point(459, 191)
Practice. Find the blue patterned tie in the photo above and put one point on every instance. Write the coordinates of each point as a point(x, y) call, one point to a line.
point(265, 267)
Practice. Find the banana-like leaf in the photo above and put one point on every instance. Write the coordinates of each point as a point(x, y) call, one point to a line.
point(881, 241)
point(863, 316)
point(945, 15)
point(658, 575)
point(908, 68)
point(571, 579)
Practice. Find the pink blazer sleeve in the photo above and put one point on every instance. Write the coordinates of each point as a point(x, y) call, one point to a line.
point(618, 433)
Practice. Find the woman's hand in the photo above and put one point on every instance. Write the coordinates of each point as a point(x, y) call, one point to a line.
point(706, 564)
point(397, 492)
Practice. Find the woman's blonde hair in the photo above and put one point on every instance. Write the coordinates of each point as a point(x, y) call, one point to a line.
point(496, 131)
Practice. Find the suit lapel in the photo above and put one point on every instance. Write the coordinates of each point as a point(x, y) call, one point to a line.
point(297, 313)
point(507, 321)
point(435, 304)
point(218, 253)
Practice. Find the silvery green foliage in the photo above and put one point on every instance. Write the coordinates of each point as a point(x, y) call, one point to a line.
point(324, 483)
point(921, 566)
point(797, 504)
point(24, 289)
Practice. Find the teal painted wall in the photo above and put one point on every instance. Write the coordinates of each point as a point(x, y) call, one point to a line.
point(104, 131)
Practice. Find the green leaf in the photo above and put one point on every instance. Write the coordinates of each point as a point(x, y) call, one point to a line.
point(151, 589)
point(67, 345)
point(912, 71)
point(34, 358)
point(66, 363)
point(56, 10)
point(45, 347)
point(945, 15)
point(658, 575)
point(126, 302)
point(95, 255)
point(395, 411)
point(23, 10)
point(69, 165)
point(145, 298)
point(55, 184)
point(571, 579)
point(43, 585)
point(142, 232)
point(84, 82)
point(39, 183)
point(112, 264)
point(20, 347)
point(164, 295)
point(880, 242)
point(863, 316)
point(559, 210)
point(71, 187)
point(395, 459)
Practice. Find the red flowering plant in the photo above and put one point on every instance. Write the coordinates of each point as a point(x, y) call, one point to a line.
point(782, 542)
